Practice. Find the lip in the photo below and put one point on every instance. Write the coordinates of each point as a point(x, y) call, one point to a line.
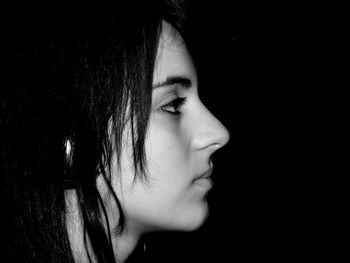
point(205, 175)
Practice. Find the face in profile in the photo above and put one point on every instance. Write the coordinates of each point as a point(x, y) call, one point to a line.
point(181, 137)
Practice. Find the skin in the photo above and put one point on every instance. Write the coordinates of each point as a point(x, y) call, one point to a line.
point(178, 150)
point(180, 141)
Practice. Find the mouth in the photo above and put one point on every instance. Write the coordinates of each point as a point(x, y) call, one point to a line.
point(205, 175)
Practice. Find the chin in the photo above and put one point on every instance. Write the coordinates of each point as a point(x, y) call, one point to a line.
point(194, 220)
point(184, 220)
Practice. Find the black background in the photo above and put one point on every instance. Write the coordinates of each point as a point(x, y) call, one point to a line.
point(274, 74)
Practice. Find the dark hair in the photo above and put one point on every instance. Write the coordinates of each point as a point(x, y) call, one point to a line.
point(68, 75)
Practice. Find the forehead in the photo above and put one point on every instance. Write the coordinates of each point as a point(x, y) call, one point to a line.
point(173, 57)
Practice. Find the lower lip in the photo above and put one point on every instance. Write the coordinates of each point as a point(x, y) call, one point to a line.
point(204, 182)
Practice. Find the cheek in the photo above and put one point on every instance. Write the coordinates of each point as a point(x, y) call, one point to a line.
point(167, 146)
point(168, 199)
point(167, 159)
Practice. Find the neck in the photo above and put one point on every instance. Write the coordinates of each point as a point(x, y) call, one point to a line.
point(123, 244)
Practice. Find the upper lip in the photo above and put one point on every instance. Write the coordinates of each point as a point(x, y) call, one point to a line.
point(206, 174)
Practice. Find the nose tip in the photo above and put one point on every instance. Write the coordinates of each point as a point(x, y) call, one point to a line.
point(209, 132)
point(225, 137)
point(215, 137)
point(222, 137)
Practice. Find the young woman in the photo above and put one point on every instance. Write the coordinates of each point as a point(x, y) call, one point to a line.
point(103, 135)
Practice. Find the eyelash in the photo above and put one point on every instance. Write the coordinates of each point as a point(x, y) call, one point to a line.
point(175, 104)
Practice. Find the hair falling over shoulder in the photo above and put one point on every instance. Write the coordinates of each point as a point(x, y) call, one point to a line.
point(68, 76)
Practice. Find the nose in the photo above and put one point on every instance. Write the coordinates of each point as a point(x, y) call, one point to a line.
point(210, 133)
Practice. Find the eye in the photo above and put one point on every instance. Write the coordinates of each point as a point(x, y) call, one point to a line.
point(173, 106)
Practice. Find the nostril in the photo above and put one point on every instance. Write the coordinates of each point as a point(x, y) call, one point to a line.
point(211, 161)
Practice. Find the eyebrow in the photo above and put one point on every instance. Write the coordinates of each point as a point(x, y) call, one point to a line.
point(172, 80)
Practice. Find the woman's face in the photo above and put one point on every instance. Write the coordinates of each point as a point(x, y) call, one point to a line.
point(182, 135)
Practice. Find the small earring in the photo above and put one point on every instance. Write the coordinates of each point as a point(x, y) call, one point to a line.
point(69, 151)
point(68, 182)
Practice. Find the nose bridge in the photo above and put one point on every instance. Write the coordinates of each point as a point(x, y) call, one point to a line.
point(210, 132)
